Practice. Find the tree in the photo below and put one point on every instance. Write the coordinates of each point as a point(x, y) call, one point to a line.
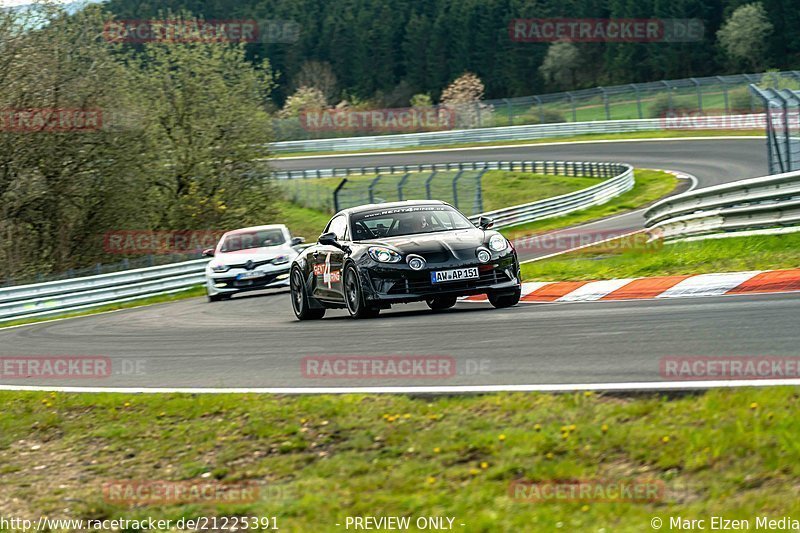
point(318, 75)
point(560, 64)
point(304, 99)
point(464, 97)
point(205, 118)
point(743, 36)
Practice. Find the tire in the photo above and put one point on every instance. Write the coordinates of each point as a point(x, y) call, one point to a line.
point(354, 296)
point(500, 301)
point(301, 301)
point(440, 303)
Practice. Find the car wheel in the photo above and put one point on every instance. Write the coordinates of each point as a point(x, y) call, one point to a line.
point(354, 296)
point(301, 301)
point(505, 300)
point(439, 303)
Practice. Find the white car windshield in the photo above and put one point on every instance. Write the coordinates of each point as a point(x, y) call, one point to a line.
point(253, 239)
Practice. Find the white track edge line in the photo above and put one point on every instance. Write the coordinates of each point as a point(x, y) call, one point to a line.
point(566, 387)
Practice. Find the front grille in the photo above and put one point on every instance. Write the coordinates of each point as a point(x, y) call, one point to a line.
point(255, 264)
point(424, 285)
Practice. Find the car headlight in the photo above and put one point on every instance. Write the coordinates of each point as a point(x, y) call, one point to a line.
point(218, 268)
point(384, 255)
point(498, 243)
point(280, 260)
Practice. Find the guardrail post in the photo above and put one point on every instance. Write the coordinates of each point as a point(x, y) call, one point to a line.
point(541, 111)
point(336, 192)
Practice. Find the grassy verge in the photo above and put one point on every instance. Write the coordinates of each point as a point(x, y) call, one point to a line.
point(669, 134)
point(502, 188)
point(355, 455)
point(650, 186)
point(187, 293)
point(302, 221)
point(610, 261)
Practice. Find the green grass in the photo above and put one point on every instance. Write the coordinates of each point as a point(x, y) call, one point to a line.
point(181, 295)
point(504, 189)
point(669, 134)
point(733, 254)
point(351, 455)
point(650, 186)
point(302, 221)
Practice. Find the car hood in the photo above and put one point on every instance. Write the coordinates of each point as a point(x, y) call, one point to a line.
point(255, 255)
point(437, 247)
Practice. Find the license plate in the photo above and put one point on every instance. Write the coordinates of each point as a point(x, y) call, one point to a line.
point(457, 274)
point(254, 274)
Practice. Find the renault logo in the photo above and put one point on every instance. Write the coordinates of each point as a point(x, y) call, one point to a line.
point(249, 265)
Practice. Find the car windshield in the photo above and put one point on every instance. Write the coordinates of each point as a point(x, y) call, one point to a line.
point(252, 239)
point(406, 221)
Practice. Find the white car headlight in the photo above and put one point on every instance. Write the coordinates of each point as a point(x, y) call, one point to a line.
point(498, 243)
point(384, 255)
point(280, 260)
point(219, 268)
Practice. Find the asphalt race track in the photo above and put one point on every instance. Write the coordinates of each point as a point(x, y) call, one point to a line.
point(253, 341)
point(712, 162)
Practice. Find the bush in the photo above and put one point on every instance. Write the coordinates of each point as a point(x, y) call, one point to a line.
point(661, 106)
point(739, 100)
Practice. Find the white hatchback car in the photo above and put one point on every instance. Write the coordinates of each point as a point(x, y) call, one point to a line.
point(250, 259)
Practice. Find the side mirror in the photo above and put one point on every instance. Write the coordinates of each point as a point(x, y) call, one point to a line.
point(208, 253)
point(297, 240)
point(485, 222)
point(328, 239)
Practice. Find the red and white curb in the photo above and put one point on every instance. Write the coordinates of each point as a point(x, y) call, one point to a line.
point(662, 287)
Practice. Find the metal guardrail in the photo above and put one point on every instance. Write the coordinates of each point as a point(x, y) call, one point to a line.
point(58, 297)
point(515, 133)
point(756, 205)
point(622, 180)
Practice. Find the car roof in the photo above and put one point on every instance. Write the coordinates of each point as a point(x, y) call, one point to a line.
point(256, 228)
point(389, 205)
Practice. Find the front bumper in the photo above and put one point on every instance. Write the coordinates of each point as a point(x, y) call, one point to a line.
point(226, 282)
point(400, 284)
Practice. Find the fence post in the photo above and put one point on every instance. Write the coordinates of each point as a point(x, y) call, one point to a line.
point(478, 207)
point(605, 103)
point(669, 95)
point(336, 191)
point(541, 111)
point(572, 105)
point(371, 188)
point(699, 94)
point(724, 94)
point(455, 187)
point(400, 186)
point(510, 109)
point(638, 100)
point(428, 185)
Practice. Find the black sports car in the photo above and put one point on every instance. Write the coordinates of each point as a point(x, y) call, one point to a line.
point(376, 255)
